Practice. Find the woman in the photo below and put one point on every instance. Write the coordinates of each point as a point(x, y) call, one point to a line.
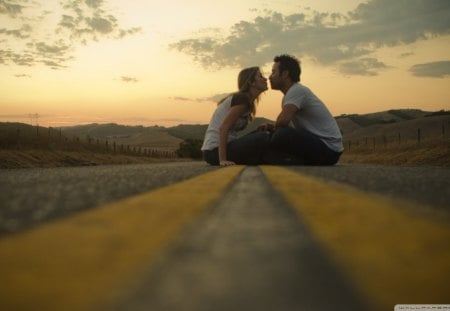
point(221, 145)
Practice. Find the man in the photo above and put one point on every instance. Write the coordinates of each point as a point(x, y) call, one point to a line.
point(305, 132)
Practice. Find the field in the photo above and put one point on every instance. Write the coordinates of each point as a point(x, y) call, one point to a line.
point(433, 152)
point(23, 145)
point(424, 140)
point(46, 158)
point(394, 137)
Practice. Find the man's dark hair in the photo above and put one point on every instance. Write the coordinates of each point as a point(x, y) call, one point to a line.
point(291, 64)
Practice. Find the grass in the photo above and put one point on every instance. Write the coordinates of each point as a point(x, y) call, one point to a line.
point(57, 158)
point(432, 152)
point(25, 146)
point(20, 147)
point(428, 153)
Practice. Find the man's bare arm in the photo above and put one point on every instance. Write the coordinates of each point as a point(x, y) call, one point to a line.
point(286, 115)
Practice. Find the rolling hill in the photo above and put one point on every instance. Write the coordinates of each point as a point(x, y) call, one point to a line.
point(354, 126)
point(154, 137)
point(393, 123)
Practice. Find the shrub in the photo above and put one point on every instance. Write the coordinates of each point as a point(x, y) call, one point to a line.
point(190, 148)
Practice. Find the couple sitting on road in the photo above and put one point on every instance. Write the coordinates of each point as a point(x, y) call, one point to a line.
point(305, 132)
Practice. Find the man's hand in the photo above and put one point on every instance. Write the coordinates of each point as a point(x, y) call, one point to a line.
point(266, 127)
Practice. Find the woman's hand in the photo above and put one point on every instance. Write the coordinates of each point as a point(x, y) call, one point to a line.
point(266, 127)
point(227, 163)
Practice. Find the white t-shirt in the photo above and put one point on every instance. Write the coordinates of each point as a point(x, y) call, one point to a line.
point(313, 116)
point(211, 140)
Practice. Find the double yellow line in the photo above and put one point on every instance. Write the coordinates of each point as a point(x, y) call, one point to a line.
point(392, 253)
point(88, 261)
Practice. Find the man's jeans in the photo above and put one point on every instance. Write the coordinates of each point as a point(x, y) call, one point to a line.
point(247, 149)
point(302, 145)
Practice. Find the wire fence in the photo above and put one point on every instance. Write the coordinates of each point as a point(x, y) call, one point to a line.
point(436, 134)
point(55, 139)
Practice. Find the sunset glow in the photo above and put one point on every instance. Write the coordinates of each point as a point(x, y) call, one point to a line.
point(166, 63)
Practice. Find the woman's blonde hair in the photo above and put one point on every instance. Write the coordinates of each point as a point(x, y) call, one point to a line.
point(245, 79)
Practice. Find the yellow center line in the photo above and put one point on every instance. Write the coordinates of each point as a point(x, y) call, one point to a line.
point(85, 261)
point(392, 255)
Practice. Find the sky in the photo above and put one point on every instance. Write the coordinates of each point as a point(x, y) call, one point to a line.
point(159, 62)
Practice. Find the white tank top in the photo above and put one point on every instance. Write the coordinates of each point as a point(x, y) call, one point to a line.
point(211, 140)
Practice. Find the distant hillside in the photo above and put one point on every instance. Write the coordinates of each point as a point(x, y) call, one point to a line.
point(430, 127)
point(187, 131)
point(383, 117)
point(391, 124)
point(153, 136)
point(353, 126)
point(352, 122)
point(102, 131)
point(17, 134)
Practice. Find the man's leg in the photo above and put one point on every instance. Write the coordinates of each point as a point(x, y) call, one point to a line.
point(303, 145)
point(248, 149)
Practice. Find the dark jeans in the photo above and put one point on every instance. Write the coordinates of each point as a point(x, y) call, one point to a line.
point(291, 146)
point(247, 149)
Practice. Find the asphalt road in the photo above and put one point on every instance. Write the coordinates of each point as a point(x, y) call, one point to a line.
point(250, 252)
point(32, 196)
point(243, 238)
point(426, 185)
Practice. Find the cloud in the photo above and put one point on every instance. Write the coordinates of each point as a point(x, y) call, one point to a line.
point(22, 33)
point(74, 23)
point(14, 116)
point(128, 79)
point(180, 98)
point(362, 67)
point(10, 8)
point(22, 59)
point(216, 97)
point(213, 98)
point(331, 39)
point(88, 20)
point(438, 69)
point(94, 3)
point(143, 120)
point(407, 54)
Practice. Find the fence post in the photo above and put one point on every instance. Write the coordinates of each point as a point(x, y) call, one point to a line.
point(17, 144)
point(418, 135)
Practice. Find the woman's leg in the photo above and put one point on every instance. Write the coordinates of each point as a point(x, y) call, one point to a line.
point(248, 149)
point(211, 156)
